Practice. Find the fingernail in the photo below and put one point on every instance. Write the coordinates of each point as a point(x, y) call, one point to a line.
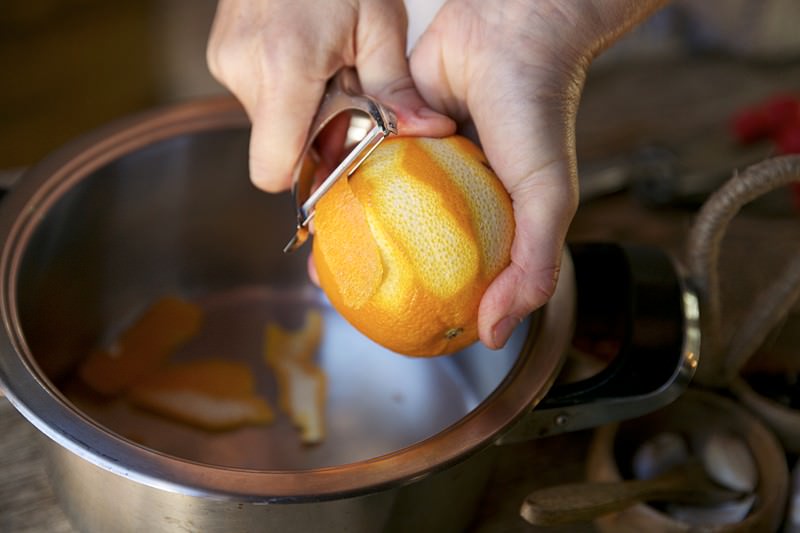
point(503, 329)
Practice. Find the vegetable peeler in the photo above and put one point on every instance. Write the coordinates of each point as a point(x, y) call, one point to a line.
point(371, 122)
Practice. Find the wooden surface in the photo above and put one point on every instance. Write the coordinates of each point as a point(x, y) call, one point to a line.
point(675, 102)
point(68, 67)
point(27, 503)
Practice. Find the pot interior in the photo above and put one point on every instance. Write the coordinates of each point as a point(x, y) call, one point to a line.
point(180, 217)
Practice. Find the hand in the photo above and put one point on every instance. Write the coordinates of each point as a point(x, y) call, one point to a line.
point(515, 70)
point(277, 55)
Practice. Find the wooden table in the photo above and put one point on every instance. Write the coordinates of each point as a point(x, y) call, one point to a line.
point(27, 503)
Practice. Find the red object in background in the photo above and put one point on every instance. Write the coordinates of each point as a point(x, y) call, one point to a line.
point(777, 119)
point(749, 126)
point(782, 111)
point(766, 119)
point(788, 140)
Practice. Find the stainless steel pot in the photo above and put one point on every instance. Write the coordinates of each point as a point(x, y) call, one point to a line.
point(161, 203)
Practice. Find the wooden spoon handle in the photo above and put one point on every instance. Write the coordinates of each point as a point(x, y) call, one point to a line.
point(578, 502)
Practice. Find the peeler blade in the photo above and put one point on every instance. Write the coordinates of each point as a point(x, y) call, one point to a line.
point(343, 94)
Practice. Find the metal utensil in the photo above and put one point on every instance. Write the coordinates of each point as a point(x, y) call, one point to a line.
point(342, 94)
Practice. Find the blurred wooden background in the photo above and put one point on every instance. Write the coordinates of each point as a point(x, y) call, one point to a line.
point(69, 66)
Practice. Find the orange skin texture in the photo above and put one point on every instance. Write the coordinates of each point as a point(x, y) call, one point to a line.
point(406, 248)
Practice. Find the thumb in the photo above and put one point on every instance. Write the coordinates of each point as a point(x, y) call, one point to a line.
point(281, 115)
point(383, 69)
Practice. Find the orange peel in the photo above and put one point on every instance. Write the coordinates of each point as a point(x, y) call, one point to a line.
point(143, 347)
point(211, 394)
point(302, 385)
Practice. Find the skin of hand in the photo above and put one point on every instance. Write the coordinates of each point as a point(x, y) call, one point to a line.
point(276, 56)
point(514, 70)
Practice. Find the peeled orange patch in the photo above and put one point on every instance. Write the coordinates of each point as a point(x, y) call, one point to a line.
point(490, 218)
point(143, 347)
point(419, 218)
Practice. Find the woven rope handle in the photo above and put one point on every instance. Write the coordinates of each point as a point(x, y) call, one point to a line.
point(718, 363)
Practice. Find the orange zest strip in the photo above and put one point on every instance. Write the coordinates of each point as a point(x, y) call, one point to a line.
point(302, 385)
point(211, 394)
point(144, 346)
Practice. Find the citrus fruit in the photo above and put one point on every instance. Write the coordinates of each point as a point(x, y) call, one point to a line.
point(406, 247)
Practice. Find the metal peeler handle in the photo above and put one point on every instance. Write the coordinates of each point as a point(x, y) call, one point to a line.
point(343, 93)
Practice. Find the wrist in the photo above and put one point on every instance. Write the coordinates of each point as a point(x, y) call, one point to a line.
point(610, 19)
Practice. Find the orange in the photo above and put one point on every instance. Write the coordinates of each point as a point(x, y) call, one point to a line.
point(406, 247)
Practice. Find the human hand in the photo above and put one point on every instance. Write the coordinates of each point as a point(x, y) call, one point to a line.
point(277, 55)
point(515, 70)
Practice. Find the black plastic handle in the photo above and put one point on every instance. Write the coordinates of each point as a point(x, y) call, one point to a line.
point(632, 295)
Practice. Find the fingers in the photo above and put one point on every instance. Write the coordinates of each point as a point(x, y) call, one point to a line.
point(277, 56)
point(523, 111)
point(281, 119)
point(528, 138)
point(542, 215)
point(384, 72)
point(312, 270)
point(517, 70)
point(276, 60)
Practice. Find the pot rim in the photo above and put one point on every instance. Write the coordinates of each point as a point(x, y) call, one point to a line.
point(36, 398)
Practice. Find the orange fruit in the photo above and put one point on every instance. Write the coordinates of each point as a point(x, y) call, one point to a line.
point(406, 247)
